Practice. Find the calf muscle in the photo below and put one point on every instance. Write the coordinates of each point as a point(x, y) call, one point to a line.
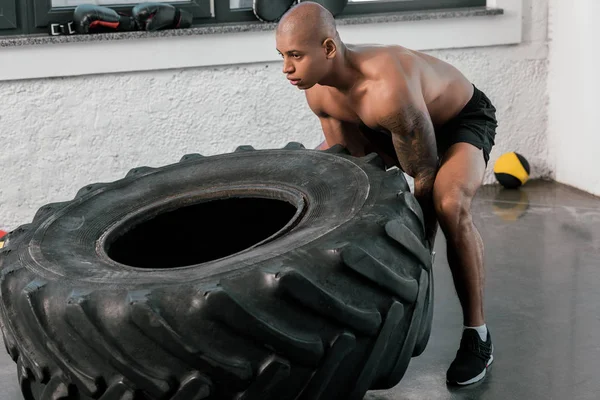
point(457, 182)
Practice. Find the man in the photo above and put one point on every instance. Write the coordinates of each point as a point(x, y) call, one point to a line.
point(420, 114)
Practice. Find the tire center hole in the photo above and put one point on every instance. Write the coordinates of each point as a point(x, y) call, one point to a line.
point(201, 232)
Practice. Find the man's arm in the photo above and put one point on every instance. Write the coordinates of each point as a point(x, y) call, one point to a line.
point(333, 129)
point(413, 137)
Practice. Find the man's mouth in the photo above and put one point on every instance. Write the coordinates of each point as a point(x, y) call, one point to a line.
point(294, 81)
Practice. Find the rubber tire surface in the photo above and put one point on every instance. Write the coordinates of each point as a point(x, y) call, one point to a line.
point(344, 295)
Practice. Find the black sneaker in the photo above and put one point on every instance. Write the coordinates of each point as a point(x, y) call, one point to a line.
point(472, 359)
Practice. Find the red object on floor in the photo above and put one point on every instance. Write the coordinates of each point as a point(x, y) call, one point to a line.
point(2, 233)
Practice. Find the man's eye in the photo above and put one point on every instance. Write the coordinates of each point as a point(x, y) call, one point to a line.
point(296, 56)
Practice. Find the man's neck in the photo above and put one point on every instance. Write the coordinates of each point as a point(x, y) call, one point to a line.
point(343, 75)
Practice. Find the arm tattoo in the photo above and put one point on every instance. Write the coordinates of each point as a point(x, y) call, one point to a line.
point(414, 140)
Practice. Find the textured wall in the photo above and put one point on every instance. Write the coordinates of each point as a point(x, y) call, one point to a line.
point(60, 134)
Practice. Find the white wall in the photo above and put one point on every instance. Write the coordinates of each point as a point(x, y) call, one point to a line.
point(573, 83)
point(60, 134)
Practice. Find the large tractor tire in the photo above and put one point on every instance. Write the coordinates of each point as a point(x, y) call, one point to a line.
point(275, 274)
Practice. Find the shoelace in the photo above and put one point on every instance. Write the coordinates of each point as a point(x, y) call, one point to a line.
point(472, 345)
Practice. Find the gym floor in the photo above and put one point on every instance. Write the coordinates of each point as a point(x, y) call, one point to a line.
point(542, 303)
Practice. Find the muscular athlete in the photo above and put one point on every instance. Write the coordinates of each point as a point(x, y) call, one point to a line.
point(420, 114)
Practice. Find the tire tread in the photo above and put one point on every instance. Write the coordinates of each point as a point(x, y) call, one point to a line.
point(241, 316)
point(235, 370)
point(249, 335)
point(368, 266)
point(320, 300)
point(81, 319)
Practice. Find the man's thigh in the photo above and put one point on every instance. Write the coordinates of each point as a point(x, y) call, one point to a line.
point(461, 172)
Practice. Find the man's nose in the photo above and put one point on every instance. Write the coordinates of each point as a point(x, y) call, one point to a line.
point(287, 67)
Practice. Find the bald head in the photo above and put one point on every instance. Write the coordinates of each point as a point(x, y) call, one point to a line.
point(309, 44)
point(308, 22)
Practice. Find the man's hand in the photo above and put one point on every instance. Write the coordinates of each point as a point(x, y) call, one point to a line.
point(414, 140)
point(322, 146)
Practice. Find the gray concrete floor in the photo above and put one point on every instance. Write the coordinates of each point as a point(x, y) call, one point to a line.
point(542, 303)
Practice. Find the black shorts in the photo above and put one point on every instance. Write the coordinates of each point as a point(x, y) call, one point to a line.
point(475, 124)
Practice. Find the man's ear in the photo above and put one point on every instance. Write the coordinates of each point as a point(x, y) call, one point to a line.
point(330, 48)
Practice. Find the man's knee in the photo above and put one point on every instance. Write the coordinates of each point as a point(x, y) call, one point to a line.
point(453, 206)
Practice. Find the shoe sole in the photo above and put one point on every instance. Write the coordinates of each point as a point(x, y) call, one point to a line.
point(478, 377)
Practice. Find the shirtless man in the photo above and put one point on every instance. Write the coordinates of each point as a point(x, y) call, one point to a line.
point(420, 114)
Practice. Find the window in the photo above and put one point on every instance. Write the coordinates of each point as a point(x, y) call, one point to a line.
point(241, 10)
point(9, 16)
point(237, 4)
point(15, 17)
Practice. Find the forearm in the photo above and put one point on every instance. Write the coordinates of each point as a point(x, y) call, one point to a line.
point(414, 141)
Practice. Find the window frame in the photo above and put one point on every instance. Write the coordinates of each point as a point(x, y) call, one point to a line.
point(9, 18)
point(378, 6)
point(35, 16)
point(12, 19)
point(224, 14)
point(40, 14)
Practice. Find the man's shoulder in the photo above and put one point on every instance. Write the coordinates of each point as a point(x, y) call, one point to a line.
point(393, 83)
point(381, 60)
point(388, 70)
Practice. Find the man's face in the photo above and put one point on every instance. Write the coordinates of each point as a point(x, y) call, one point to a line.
point(304, 62)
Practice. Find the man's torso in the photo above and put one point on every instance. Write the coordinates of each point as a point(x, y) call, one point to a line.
point(443, 88)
